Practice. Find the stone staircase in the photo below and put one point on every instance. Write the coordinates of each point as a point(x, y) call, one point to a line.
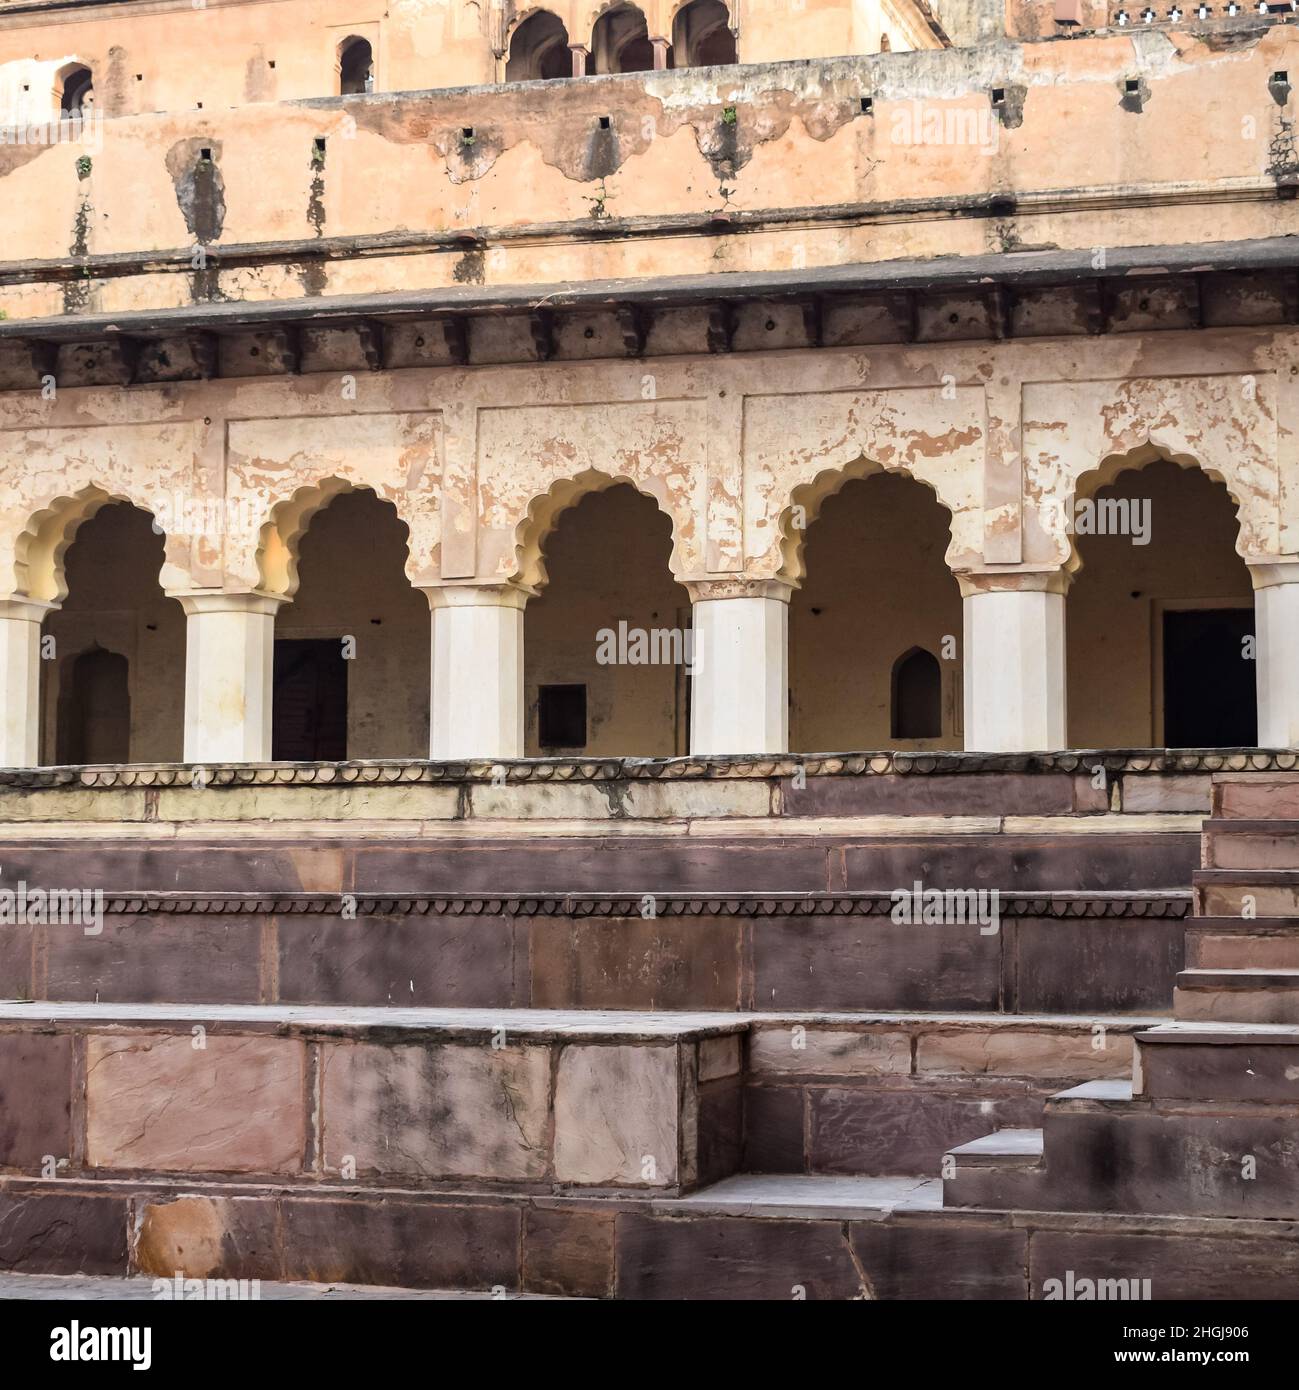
point(1208, 1123)
point(742, 1095)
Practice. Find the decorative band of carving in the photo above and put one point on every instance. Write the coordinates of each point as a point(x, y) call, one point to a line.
point(413, 772)
point(875, 904)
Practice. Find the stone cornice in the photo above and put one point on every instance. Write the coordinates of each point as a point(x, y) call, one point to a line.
point(214, 777)
point(1174, 906)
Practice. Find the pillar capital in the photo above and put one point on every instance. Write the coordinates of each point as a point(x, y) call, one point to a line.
point(197, 602)
point(737, 586)
point(21, 609)
point(1268, 573)
point(1020, 581)
point(476, 595)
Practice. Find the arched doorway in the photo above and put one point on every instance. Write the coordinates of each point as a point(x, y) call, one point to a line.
point(539, 50)
point(874, 630)
point(607, 639)
point(351, 675)
point(620, 41)
point(114, 680)
point(1160, 615)
point(94, 718)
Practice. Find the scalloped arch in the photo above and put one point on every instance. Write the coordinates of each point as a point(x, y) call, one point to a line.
point(813, 495)
point(545, 510)
point(1133, 460)
point(41, 549)
point(280, 538)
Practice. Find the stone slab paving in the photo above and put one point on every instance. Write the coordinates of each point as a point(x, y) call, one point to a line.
point(44, 1287)
point(806, 1196)
point(538, 1023)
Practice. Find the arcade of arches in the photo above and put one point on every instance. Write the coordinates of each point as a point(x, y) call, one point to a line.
point(874, 633)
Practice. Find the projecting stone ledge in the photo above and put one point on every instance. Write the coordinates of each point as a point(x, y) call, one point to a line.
point(381, 1096)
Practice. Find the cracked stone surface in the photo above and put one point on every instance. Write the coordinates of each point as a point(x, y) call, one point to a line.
point(158, 1102)
point(437, 1112)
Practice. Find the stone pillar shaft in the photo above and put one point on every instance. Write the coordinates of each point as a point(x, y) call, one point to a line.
point(476, 704)
point(1014, 663)
point(1276, 634)
point(740, 682)
point(20, 681)
point(229, 668)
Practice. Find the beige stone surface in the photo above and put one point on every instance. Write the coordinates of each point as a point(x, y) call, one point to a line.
point(1020, 1052)
point(719, 1057)
point(438, 1111)
point(616, 1116)
point(819, 1051)
point(234, 1105)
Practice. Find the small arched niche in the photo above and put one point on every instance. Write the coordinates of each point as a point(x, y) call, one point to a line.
point(355, 67)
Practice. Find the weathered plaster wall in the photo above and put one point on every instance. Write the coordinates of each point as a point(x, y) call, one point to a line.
point(737, 453)
point(480, 463)
point(175, 56)
point(852, 187)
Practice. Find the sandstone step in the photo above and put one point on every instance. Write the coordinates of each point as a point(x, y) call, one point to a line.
point(139, 1288)
point(548, 1100)
point(1001, 1171)
point(1256, 795)
point(1232, 892)
point(747, 1238)
point(1241, 943)
point(1218, 1062)
point(1108, 1150)
point(1250, 844)
point(1238, 996)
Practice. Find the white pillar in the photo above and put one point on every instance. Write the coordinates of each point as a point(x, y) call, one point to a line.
point(740, 682)
point(476, 698)
point(229, 665)
point(1014, 662)
point(20, 680)
point(1276, 642)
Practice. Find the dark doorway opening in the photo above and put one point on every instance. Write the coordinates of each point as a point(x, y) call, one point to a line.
point(1209, 683)
point(561, 716)
point(309, 714)
point(94, 715)
point(917, 695)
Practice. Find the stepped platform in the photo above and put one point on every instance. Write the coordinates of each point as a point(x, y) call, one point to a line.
point(646, 1031)
point(772, 1237)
